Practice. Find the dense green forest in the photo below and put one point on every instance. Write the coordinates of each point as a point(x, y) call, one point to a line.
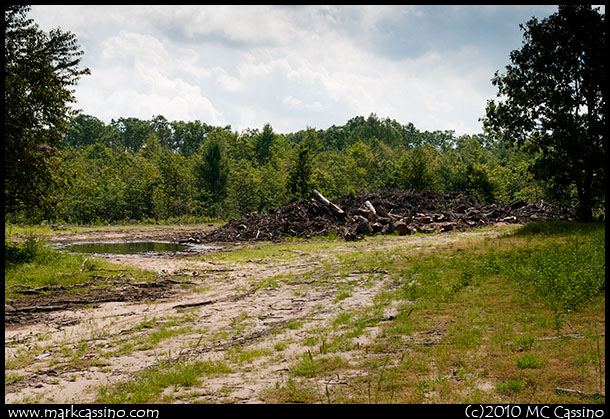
point(544, 138)
point(151, 170)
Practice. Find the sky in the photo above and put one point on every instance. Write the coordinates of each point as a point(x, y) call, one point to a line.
point(293, 67)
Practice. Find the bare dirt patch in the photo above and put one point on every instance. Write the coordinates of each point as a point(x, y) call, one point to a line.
point(38, 303)
point(254, 314)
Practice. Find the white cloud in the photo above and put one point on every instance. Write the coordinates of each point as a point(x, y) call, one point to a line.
point(226, 81)
point(294, 103)
point(291, 66)
point(174, 99)
point(142, 80)
point(237, 25)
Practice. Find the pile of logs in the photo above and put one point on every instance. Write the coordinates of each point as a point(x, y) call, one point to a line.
point(390, 212)
point(447, 213)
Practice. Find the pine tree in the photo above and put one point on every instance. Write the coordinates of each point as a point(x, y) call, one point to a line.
point(300, 182)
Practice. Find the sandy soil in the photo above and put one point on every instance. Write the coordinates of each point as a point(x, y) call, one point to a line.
point(216, 310)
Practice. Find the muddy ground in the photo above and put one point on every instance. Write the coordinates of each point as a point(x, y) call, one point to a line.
point(61, 348)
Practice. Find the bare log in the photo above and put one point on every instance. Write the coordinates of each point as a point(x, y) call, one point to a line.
point(371, 212)
point(402, 227)
point(332, 207)
point(82, 267)
point(370, 207)
point(364, 228)
point(361, 211)
point(382, 211)
point(197, 304)
point(377, 227)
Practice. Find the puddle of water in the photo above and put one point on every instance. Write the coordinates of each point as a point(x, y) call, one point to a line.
point(125, 248)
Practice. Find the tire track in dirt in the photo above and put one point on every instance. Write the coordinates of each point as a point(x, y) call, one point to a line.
point(227, 309)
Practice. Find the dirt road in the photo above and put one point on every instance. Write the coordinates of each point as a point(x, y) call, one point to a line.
point(249, 306)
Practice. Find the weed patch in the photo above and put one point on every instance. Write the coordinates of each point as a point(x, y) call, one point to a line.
point(513, 385)
point(529, 361)
point(150, 384)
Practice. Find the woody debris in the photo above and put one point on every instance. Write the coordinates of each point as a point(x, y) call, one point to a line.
point(387, 212)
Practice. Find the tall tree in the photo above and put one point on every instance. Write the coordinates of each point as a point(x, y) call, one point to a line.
point(188, 136)
point(300, 184)
point(554, 104)
point(162, 128)
point(211, 167)
point(263, 143)
point(418, 169)
point(84, 130)
point(39, 70)
point(133, 132)
point(173, 192)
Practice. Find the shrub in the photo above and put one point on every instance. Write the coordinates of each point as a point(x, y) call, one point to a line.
point(16, 254)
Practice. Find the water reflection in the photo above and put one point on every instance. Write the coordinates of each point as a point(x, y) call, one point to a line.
point(125, 248)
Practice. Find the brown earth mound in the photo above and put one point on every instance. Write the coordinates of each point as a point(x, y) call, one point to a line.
point(403, 212)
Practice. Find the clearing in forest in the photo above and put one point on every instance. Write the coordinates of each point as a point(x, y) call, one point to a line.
point(437, 318)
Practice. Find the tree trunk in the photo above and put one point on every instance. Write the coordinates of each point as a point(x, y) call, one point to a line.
point(372, 216)
point(584, 210)
point(332, 207)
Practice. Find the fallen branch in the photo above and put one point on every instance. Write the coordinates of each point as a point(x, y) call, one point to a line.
point(572, 336)
point(372, 271)
point(197, 304)
point(60, 305)
point(162, 283)
point(231, 298)
point(372, 211)
point(580, 393)
point(22, 289)
point(82, 267)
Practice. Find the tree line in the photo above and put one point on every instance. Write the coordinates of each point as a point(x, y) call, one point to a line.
point(134, 169)
point(543, 137)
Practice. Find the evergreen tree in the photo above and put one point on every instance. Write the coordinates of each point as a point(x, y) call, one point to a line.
point(211, 168)
point(262, 146)
point(300, 182)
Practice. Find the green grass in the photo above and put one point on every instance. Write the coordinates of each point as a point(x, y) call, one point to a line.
point(33, 264)
point(45, 229)
point(564, 275)
point(11, 378)
point(479, 310)
point(561, 266)
point(149, 384)
point(311, 365)
point(529, 361)
point(513, 385)
point(241, 356)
